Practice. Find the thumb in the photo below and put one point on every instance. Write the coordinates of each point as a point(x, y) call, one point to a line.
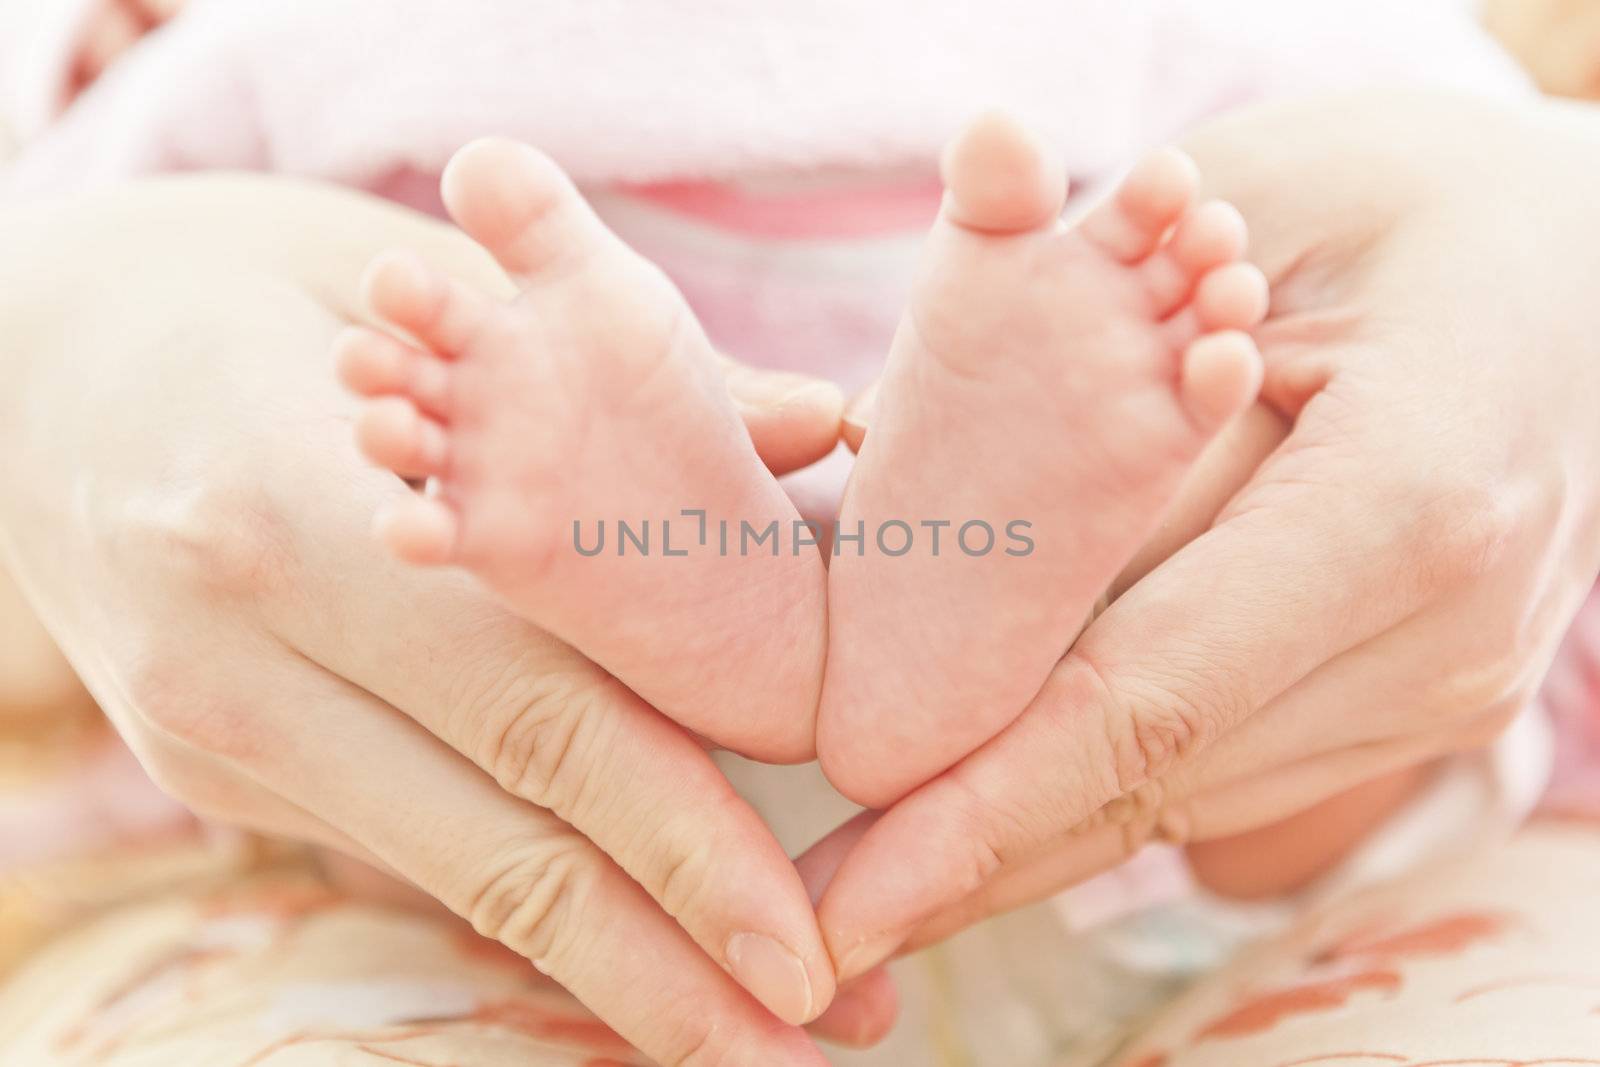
point(857, 414)
point(793, 419)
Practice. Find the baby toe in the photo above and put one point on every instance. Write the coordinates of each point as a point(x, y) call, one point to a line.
point(392, 433)
point(438, 311)
point(418, 530)
point(1150, 200)
point(1212, 234)
point(1231, 297)
point(514, 200)
point(1001, 178)
point(372, 364)
point(1219, 377)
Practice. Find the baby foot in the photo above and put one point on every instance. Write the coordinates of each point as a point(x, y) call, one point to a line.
point(590, 400)
point(1043, 399)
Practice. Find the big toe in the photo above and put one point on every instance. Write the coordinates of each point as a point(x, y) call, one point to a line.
point(514, 200)
point(1001, 178)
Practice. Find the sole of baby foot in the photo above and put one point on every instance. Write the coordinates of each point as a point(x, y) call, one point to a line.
point(1045, 395)
point(588, 460)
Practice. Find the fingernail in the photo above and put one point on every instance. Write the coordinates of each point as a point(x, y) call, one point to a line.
point(862, 1012)
point(773, 975)
point(766, 391)
point(813, 395)
point(858, 413)
point(867, 954)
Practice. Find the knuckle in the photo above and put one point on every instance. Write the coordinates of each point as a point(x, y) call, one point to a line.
point(214, 795)
point(1473, 687)
point(1158, 738)
point(682, 873)
point(211, 809)
point(223, 536)
point(1502, 661)
point(206, 802)
point(176, 777)
point(992, 833)
point(533, 901)
point(1084, 688)
point(1486, 727)
point(1153, 723)
point(168, 695)
point(532, 731)
point(160, 688)
point(1460, 532)
point(1172, 822)
point(1140, 815)
point(705, 1044)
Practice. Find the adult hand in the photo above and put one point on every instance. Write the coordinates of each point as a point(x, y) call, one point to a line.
point(186, 510)
point(1388, 586)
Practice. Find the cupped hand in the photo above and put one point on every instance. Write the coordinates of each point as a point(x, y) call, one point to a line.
point(1388, 585)
point(185, 509)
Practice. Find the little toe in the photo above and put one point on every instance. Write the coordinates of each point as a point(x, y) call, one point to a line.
point(370, 363)
point(418, 530)
point(1220, 376)
point(1212, 234)
point(518, 204)
point(1000, 178)
point(1150, 200)
point(392, 433)
point(439, 311)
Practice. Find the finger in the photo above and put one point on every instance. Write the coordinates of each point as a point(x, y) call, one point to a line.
point(555, 730)
point(1081, 856)
point(1394, 686)
point(110, 33)
point(1273, 857)
point(819, 863)
point(1222, 469)
point(375, 882)
point(1216, 854)
point(1078, 857)
point(1210, 822)
point(1310, 560)
point(1362, 696)
point(1238, 807)
point(1290, 789)
point(1428, 675)
point(1300, 752)
point(862, 1014)
point(516, 872)
point(221, 792)
point(156, 12)
point(857, 415)
point(793, 419)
